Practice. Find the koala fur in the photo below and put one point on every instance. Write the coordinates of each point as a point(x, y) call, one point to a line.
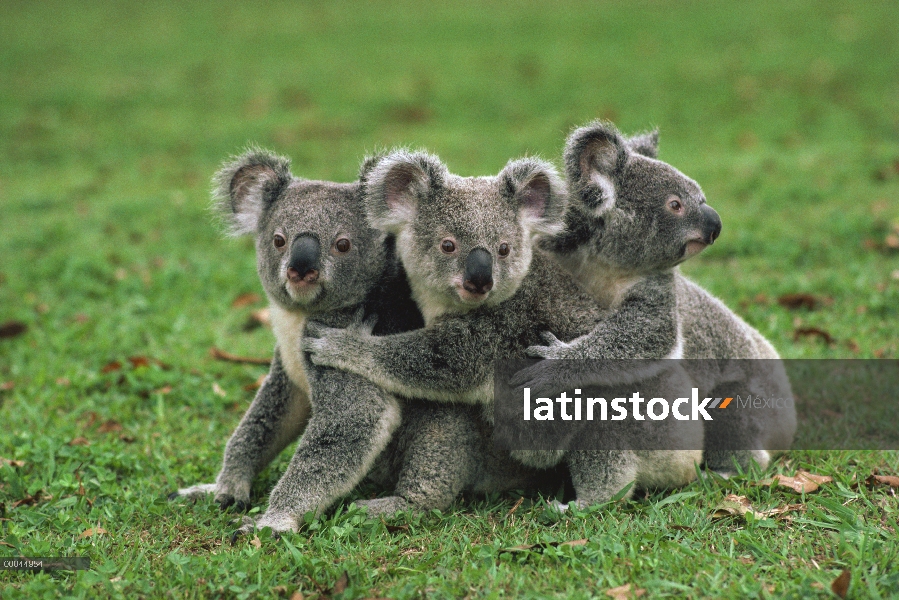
point(316, 257)
point(631, 220)
point(486, 293)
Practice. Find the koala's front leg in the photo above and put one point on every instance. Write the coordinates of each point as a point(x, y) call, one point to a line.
point(352, 421)
point(451, 360)
point(276, 417)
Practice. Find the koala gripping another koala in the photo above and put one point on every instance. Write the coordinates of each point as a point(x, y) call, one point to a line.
point(486, 293)
point(631, 220)
point(316, 257)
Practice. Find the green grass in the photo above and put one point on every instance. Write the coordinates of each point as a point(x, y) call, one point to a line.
point(114, 116)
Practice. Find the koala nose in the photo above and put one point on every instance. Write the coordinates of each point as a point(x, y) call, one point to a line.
point(304, 255)
point(478, 272)
point(711, 224)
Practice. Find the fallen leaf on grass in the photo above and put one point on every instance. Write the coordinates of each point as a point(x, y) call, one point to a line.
point(7, 385)
point(795, 301)
point(128, 439)
point(11, 462)
point(888, 480)
point(110, 367)
point(256, 384)
point(802, 482)
point(245, 300)
point(297, 595)
point(92, 531)
point(258, 318)
point(166, 389)
point(109, 425)
point(11, 329)
point(30, 500)
point(256, 542)
point(80, 441)
point(840, 585)
point(625, 592)
point(813, 332)
point(219, 354)
point(342, 582)
point(217, 390)
point(738, 506)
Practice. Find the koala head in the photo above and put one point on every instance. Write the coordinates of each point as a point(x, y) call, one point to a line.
point(643, 214)
point(314, 249)
point(465, 242)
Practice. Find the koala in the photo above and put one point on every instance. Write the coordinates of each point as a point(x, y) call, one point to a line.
point(316, 257)
point(631, 221)
point(486, 292)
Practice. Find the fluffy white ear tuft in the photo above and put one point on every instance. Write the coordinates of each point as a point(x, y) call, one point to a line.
point(396, 185)
point(539, 192)
point(244, 185)
point(594, 155)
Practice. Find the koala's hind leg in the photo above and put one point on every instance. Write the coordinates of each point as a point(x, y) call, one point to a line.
point(276, 417)
point(598, 475)
point(440, 445)
point(351, 424)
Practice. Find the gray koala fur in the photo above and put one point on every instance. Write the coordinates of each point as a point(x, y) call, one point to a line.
point(308, 272)
point(622, 242)
point(479, 306)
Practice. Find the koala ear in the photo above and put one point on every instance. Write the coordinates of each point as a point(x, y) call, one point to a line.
point(244, 185)
point(396, 185)
point(646, 144)
point(594, 155)
point(538, 191)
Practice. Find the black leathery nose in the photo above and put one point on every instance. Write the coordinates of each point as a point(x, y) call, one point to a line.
point(711, 224)
point(304, 255)
point(478, 271)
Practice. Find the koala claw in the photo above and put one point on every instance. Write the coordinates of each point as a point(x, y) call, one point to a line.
point(227, 501)
point(194, 492)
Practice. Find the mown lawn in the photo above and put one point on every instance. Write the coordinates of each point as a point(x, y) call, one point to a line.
point(113, 117)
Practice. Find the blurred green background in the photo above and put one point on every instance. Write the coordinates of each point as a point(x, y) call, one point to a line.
point(113, 117)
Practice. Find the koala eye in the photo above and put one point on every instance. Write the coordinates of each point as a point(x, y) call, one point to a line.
point(675, 205)
point(448, 246)
point(343, 245)
point(279, 241)
point(504, 250)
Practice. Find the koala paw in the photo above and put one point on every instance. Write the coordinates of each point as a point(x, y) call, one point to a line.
point(546, 378)
point(555, 348)
point(337, 348)
point(194, 492)
point(386, 507)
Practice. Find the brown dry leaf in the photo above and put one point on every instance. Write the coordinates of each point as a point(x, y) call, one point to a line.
point(802, 482)
point(840, 585)
point(80, 441)
point(12, 329)
point(891, 241)
point(795, 301)
point(109, 426)
point(733, 506)
point(342, 582)
point(92, 531)
point(258, 318)
point(218, 354)
point(11, 462)
point(256, 384)
point(297, 595)
point(166, 389)
point(256, 541)
point(245, 300)
point(110, 367)
point(139, 361)
point(30, 500)
point(128, 439)
point(217, 390)
point(625, 592)
point(813, 332)
point(888, 480)
point(395, 528)
point(7, 385)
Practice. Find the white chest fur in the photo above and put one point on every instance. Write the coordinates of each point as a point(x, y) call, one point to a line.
point(288, 328)
point(606, 285)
